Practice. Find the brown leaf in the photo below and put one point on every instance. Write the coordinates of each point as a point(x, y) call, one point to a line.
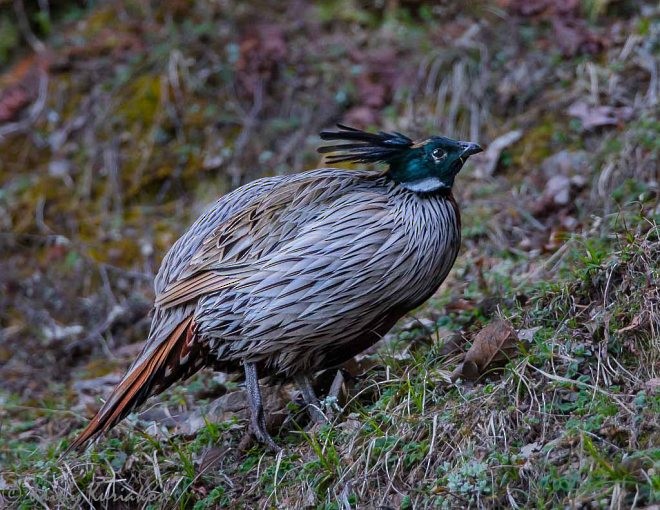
point(495, 342)
point(574, 37)
point(231, 405)
point(453, 345)
point(210, 458)
point(542, 7)
point(263, 47)
point(596, 116)
point(460, 305)
point(20, 86)
point(12, 101)
point(361, 116)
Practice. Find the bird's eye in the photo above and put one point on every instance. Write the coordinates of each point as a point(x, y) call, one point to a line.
point(438, 155)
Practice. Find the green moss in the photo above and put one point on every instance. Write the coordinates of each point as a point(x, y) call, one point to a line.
point(141, 101)
point(9, 38)
point(535, 144)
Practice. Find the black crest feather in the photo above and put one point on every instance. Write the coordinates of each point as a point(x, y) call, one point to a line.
point(365, 147)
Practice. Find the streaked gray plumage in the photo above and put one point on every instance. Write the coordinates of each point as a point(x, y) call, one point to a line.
point(289, 275)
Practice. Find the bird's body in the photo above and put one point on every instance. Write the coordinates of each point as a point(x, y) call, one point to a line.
point(289, 275)
point(316, 268)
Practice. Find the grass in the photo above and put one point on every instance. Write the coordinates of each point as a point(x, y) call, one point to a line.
point(568, 421)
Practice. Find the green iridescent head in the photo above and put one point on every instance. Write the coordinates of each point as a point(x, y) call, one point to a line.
point(424, 166)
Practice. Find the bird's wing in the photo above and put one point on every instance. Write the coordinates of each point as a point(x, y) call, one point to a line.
point(238, 246)
point(178, 257)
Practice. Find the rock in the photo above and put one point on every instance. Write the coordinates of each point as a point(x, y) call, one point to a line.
point(558, 188)
point(567, 163)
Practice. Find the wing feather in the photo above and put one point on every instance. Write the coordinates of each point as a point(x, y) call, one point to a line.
point(242, 243)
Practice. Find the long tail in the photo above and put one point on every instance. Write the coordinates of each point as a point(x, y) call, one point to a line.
point(177, 358)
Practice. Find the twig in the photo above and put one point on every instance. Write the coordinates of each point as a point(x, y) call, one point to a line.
point(24, 27)
point(249, 121)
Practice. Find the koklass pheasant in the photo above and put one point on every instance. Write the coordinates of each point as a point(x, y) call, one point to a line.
point(293, 274)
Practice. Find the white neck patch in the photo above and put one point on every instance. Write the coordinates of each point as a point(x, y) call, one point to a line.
point(425, 185)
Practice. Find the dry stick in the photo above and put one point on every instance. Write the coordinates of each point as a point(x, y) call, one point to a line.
point(249, 122)
point(75, 484)
point(24, 27)
point(434, 434)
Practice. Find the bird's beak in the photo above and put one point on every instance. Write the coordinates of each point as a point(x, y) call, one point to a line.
point(469, 149)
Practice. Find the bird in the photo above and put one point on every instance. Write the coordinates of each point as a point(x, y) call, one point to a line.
point(292, 274)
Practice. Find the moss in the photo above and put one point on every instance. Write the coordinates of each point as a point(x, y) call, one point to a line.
point(142, 99)
point(98, 368)
point(537, 142)
point(9, 38)
point(98, 20)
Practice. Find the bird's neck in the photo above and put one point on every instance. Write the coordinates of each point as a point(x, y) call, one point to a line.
point(415, 175)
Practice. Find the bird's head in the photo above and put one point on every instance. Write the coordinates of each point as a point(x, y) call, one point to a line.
point(423, 166)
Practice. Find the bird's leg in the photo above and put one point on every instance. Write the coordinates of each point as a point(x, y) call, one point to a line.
point(310, 398)
point(257, 418)
point(332, 400)
point(336, 386)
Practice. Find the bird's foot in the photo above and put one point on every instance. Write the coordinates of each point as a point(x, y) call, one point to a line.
point(321, 411)
point(257, 417)
point(312, 403)
point(330, 405)
point(259, 432)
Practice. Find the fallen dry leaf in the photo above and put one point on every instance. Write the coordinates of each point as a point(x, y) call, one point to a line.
point(529, 449)
point(574, 37)
point(210, 457)
point(461, 305)
point(453, 345)
point(19, 86)
point(638, 320)
point(596, 116)
point(565, 174)
point(231, 405)
point(653, 385)
point(558, 188)
point(495, 342)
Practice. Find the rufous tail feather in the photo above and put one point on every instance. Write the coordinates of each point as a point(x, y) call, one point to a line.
point(149, 377)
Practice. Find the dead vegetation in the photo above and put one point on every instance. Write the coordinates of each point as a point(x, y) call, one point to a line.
point(529, 381)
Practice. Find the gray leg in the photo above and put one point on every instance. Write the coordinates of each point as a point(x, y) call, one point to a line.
point(310, 398)
point(257, 418)
point(337, 383)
